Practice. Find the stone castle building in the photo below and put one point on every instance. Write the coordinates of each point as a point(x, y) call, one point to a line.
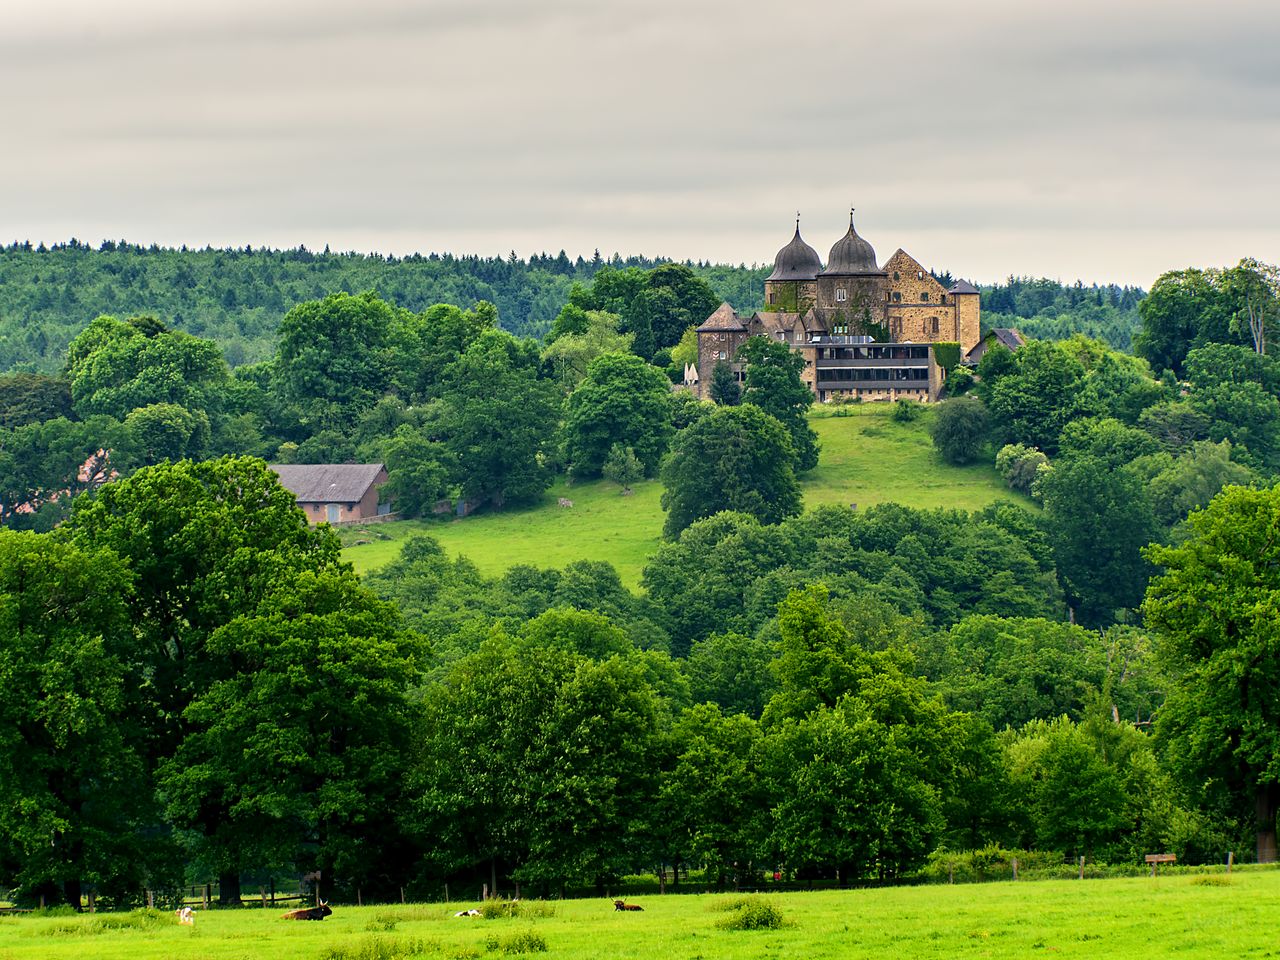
point(865, 330)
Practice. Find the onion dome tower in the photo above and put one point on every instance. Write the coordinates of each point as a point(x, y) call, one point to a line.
point(795, 270)
point(852, 256)
point(853, 292)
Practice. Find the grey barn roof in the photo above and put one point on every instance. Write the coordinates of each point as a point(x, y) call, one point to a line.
point(327, 482)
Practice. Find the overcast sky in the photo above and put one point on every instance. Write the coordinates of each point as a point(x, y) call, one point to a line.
point(1108, 141)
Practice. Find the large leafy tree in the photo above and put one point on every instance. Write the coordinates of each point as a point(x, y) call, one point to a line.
point(1216, 610)
point(75, 801)
point(1010, 670)
point(623, 401)
point(736, 458)
point(207, 543)
point(960, 430)
point(498, 419)
point(335, 357)
point(773, 384)
point(1099, 519)
point(426, 343)
point(537, 763)
point(294, 757)
point(1041, 395)
point(116, 366)
point(713, 794)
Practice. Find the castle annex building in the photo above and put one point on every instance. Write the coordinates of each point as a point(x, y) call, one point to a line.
point(865, 330)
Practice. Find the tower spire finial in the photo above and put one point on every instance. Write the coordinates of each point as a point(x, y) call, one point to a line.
point(851, 216)
point(797, 221)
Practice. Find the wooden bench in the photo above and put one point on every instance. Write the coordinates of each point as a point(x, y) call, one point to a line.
point(1155, 859)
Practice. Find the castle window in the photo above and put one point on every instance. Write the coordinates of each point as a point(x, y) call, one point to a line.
point(919, 274)
point(944, 298)
point(897, 297)
point(895, 274)
point(841, 294)
point(720, 336)
point(934, 324)
point(720, 356)
point(771, 298)
point(924, 297)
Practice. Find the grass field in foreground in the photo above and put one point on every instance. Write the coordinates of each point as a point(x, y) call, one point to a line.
point(1174, 915)
point(866, 458)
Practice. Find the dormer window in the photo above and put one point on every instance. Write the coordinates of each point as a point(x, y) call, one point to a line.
point(841, 294)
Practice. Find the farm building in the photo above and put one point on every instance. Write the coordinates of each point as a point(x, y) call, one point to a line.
point(336, 492)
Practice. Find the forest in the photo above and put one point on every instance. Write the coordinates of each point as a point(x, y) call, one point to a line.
point(195, 685)
point(237, 297)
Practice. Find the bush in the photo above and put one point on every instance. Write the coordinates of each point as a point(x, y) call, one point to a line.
point(1020, 466)
point(379, 948)
point(959, 381)
point(753, 914)
point(905, 411)
point(526, 942)
point(495, 909)
point(960, 429)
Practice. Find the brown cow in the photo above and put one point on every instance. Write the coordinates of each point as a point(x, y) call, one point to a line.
point(623, 905)
point(310, 913)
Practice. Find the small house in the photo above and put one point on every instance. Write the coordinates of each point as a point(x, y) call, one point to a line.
point(336, 492)
point(1007, 337)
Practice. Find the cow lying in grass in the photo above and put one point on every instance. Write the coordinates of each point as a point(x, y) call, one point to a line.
point(310, 913)
point(623, 905)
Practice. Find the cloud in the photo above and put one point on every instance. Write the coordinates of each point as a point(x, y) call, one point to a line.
point(1102, 140)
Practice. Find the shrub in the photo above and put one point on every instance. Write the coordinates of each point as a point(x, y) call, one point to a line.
point(959, 430)
point(495, 909)
point(905, 411)
point(753, 914)
point(380, 948)
point(959, 381)
point(525, 942)
point(1020, 466)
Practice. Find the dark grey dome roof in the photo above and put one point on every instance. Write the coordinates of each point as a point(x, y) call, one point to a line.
point(796, 261)
point(852, 255)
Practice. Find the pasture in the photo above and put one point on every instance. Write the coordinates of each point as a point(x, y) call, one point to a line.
point(866, 458)
point(1176, 914)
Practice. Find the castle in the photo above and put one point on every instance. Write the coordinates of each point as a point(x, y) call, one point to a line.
point(865, 331)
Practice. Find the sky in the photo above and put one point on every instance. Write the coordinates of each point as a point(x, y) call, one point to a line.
point(1104, 141)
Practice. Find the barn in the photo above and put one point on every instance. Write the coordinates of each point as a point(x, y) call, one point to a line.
point(336, 492)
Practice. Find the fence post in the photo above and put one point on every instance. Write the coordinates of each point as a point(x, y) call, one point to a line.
point(151, 900)
point(402, 894)
point(1015, 868)
point(1231, 856)
point(1082, 868)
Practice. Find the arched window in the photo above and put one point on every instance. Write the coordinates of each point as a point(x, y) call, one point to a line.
point(841, 294)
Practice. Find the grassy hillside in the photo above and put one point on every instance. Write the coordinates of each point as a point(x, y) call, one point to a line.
point(1193, 917)
point(866, 458)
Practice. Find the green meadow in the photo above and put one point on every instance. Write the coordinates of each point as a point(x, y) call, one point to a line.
point(1175, 915)
point(866, 458)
